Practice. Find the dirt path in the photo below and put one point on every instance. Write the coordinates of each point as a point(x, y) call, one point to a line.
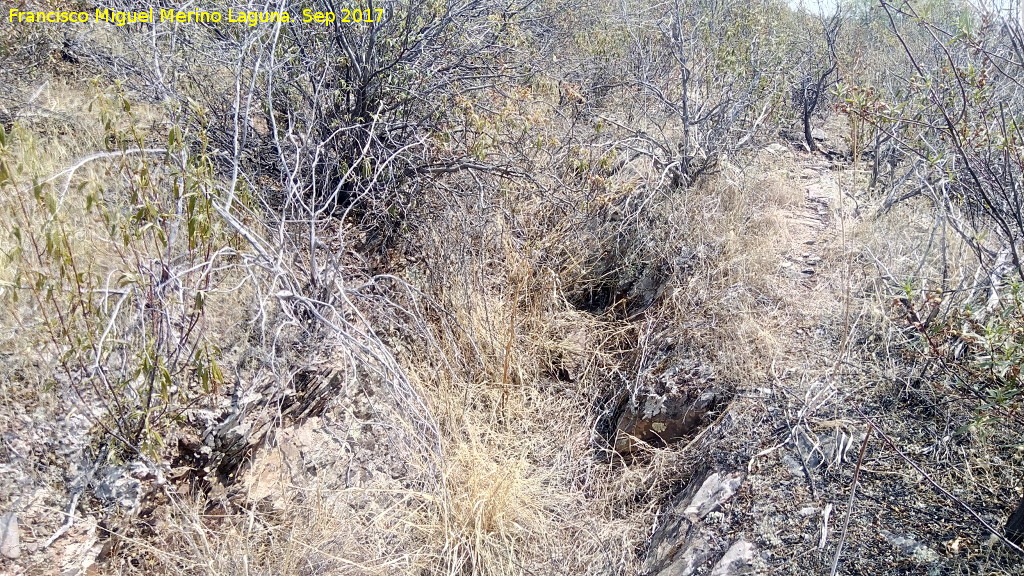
point(786, 504)
point(786, 507)
point(761, 505)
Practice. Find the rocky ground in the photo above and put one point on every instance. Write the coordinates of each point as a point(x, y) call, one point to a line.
point(805, 469)
point(797, 477)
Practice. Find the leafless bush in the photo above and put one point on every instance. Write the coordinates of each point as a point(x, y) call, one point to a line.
point(426, 211)
point(967, 95)
point(707, 76)
point(819, 63)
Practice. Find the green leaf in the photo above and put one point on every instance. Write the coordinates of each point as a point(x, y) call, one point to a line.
point(165, 383)
point(173, 138)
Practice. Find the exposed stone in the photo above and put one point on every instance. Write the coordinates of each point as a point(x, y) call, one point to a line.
point(672, 404)
point(9, 539)
point(116, 487)
point(823, 190)
point(662, 421)
point(682, 545)
point(807, 447)
point(737, 560)
point(713, 493)
point(908, 545)
point(793, 465)
point(689, 560)
point(676, 547)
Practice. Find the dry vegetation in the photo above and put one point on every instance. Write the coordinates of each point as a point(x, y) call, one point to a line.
point(401, 298)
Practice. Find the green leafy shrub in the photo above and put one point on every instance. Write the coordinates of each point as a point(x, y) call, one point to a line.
point(111, 261)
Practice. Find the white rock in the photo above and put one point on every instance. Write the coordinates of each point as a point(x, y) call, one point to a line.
point(9, 540)
point(738, 557)
point(712, 493)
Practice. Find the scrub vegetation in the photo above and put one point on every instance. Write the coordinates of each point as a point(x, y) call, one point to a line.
point(486, 287)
